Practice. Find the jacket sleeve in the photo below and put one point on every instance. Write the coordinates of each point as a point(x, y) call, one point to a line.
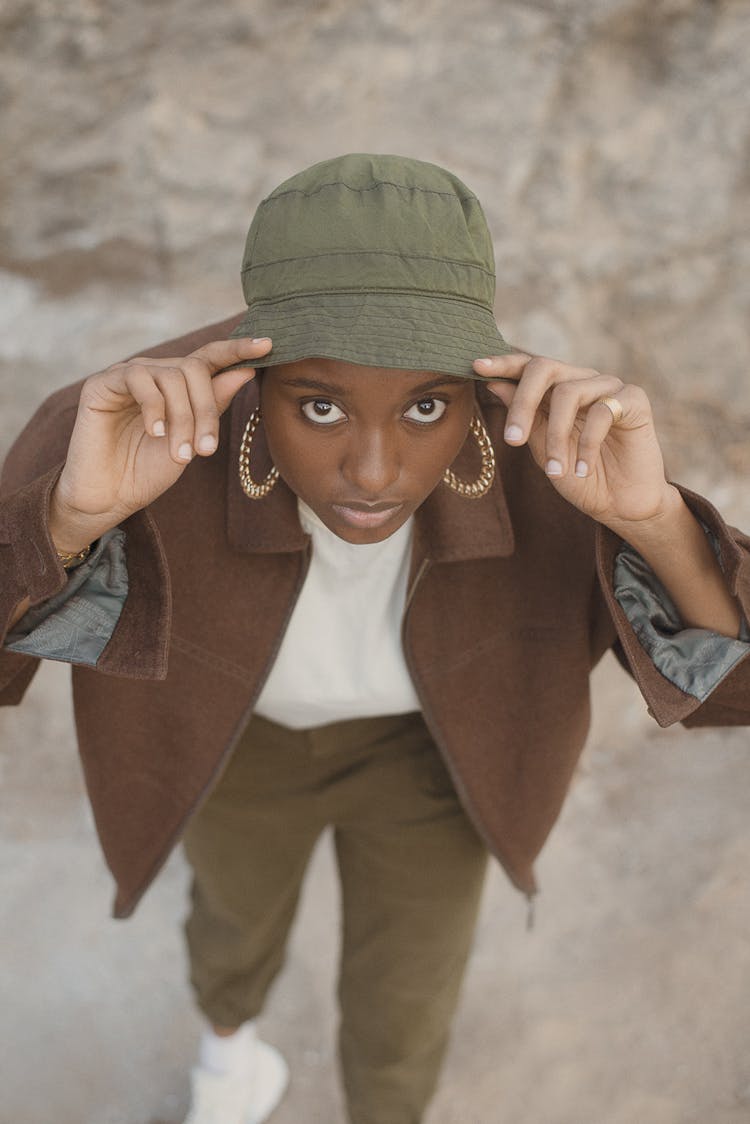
point(76, 624)
point(29, 566)
point(692, 676)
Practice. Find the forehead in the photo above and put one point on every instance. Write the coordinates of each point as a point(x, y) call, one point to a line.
point(336, 376)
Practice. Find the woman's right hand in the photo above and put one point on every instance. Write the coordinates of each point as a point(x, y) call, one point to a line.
point(138, 426)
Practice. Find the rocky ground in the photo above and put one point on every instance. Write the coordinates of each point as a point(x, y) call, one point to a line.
point(608, 142)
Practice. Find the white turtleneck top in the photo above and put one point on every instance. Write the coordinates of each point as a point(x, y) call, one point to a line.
point(341, 655)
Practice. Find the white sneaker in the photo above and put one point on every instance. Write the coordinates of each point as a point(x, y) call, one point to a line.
point(248, 1097)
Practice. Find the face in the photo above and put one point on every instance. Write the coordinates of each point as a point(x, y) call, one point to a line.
point(363, 446)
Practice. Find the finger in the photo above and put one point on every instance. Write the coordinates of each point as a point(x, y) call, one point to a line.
point(539, 375)
point(509, 367)
point(226, 384)
point(199, 385)
point(503, 373)
point(566, 401)
point(180, 419)
point(140, 385)
point(600, 421)
point(220, 354)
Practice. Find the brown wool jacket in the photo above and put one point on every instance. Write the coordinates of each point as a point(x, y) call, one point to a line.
point(510, 605)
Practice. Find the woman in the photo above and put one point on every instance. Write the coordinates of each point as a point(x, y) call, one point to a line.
point(363, 589)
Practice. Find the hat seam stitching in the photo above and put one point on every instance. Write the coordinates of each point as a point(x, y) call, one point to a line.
point(302, 329)
point(461, 339)
point(454, 298)
point(447, 361)
point(461, 346)
point(303, 344)
point(372, 187)
point(368, 253)
point(301, 324)
point(355, 356)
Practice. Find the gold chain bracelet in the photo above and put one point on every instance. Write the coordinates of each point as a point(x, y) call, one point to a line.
point(70, 561)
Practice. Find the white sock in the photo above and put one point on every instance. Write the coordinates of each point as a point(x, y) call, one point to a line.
point(229, 1053)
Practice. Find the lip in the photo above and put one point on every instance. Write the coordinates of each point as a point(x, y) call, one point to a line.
point(366, 515)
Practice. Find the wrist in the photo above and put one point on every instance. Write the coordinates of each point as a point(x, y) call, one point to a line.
point(71, 531)
point(663, 523)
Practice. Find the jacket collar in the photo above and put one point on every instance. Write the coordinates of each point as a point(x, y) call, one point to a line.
point(448, 527)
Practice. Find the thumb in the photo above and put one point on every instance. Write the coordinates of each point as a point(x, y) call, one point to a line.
point(228, 383)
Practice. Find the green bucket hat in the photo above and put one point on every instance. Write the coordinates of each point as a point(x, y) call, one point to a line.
point(379, 260)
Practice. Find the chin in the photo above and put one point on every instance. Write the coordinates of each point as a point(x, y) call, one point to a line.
point(362, 537)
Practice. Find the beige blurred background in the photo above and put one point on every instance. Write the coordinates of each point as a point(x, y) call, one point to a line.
point(608, 142)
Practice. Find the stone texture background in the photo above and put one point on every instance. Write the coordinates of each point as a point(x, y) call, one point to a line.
point(608, 141)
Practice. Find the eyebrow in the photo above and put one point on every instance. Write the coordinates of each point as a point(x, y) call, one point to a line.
point(333, 388)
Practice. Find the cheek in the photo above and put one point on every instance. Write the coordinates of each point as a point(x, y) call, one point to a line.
point(428, 460)
point(276, 416)
point(305, 465)
point(456, 434)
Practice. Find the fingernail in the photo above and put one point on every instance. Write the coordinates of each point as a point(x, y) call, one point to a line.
point(159, 429)
point(553, 468)
point(262, 339)
point(513, 433)
point(582, 469)
point(207, 444)
point(185, 451)
point(484, 362)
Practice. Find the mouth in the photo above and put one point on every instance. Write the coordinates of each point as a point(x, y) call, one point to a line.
point(366, 514)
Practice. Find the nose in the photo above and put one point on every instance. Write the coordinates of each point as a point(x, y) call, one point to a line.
point(372, 464)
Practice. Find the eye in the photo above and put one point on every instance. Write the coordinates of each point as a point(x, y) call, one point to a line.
point(322, 411)
point(426, 410)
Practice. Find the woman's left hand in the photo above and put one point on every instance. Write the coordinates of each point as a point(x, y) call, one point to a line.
point(613, 472)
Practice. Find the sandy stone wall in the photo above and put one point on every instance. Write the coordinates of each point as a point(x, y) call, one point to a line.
point(607, 141)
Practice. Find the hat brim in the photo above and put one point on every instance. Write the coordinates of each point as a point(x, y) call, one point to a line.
point(406, 331)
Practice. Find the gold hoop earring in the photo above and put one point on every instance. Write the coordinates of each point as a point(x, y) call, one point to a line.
point(252, 490)
point(483, 483)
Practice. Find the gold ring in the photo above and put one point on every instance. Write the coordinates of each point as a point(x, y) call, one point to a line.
point(615, 407)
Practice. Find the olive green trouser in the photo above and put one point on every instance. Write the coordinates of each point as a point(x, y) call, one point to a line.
point(411, 868)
